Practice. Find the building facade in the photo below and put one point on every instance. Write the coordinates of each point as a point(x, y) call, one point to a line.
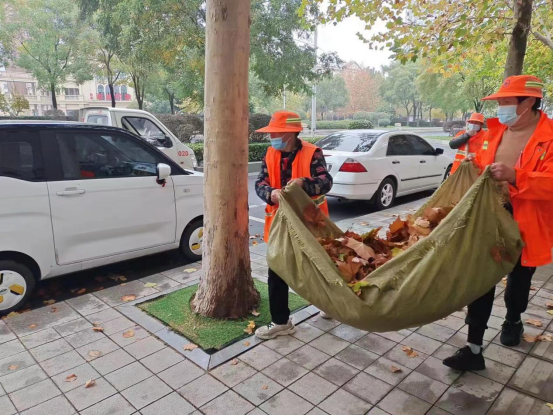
point(71, 97)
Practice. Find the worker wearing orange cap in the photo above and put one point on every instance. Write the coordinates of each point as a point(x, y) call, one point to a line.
point(519, 151)
point(288, 159)
point(468, 142)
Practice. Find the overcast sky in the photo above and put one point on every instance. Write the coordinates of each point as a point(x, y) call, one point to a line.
point(343, 39)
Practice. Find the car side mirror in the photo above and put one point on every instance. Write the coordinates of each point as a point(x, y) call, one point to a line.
point(163, 172)
point(439, 151)
point(167, 143)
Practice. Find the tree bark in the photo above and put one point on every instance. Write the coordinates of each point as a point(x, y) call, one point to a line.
point(226, 287)
point(54, 98)
point(172, 102)
point(519, 38)
point(112, 93)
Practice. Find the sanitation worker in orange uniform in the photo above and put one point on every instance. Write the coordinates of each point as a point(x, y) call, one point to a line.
point(519, 151)
point(288, 159)
point(468, 142)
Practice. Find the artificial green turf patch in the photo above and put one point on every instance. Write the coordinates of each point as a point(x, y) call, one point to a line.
point(209, 333)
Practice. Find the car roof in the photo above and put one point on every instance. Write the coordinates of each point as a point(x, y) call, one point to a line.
point(380, 132)
point(53, 124)
point(111, 109)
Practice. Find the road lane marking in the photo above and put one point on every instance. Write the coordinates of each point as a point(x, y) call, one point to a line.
point(256, 219)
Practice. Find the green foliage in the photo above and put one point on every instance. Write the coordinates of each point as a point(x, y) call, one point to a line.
point(184, 126)
point(399, 87)
point(49, 41)
point(258, 121)
point(55, 114)
point(385, 122)
point(360, 125)
point(331, 94)
point(361, 115)
point(333, 125)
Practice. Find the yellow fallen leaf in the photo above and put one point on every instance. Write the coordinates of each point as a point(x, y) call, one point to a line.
point(123, 284)
point(190, 346)
point(549, 405)
point(545, 338)
point(395, 369)
point(98, 329)
point(81, 291)
point(504, 281)
point(255, 313)
point(250, 328)
point(150, 285)
point(89, 383)
point(234, 362)
point(130, 297)
point(48, 302)
point(409, 352)
point(32, 326)
point(128, 334)
point(533, 322)
point(190, 270)
point(118, 278)
point(71, 378)
point(529, 338)
point(95, 353)
point(246, 344)
point(264, 387)
point(13, 367)
point(550, 312)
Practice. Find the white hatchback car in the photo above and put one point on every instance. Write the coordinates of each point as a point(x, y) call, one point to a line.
point(76, 196)
point(379, 165)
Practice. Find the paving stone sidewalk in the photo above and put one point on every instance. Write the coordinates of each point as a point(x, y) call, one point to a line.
point(325, 368)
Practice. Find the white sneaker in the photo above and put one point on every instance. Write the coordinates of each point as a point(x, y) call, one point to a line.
point(325, 316)
point(271, 330)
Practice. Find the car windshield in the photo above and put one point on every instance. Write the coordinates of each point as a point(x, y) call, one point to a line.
point(357, 142)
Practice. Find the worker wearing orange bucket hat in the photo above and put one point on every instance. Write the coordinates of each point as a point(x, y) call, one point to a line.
point(288, 159)
point(519, 150)
point(468, 142)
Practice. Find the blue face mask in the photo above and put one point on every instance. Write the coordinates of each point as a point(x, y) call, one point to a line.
point(474, 127)
point(507, 115)
point(277, 143)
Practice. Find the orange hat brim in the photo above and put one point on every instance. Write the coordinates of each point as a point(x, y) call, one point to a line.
point(270, 129)
point(507, 94)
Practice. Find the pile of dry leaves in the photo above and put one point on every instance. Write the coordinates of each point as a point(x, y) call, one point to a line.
point(356, 256)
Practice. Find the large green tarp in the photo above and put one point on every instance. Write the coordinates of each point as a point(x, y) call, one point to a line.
point(437, 276)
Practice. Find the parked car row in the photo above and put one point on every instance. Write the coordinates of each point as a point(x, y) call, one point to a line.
point(75, 196)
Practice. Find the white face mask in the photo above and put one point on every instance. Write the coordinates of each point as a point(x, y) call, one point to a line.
point(475, 127)
point(507, 114)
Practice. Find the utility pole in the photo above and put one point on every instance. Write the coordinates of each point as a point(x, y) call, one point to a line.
point(284, 96)
point(314, 96)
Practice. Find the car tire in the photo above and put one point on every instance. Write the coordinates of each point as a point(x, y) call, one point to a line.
point(191, 241)
point(16, 285)
point(385, 195)
point(447, 172)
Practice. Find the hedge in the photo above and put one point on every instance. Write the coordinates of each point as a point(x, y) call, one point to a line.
point(360, 125)
point(256, 150)
point(362, 115)
point(333, 125)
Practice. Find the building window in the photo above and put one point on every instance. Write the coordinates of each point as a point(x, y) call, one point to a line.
point(100, 95)
point(72, 91)
point(117, 91)
point(30, 88)
point(124, 94)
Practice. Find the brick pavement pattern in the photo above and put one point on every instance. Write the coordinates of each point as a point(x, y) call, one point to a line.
point(324, 368)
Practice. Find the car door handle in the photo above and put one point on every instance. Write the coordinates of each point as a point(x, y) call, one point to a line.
point(71, 192)
point(395, 162)
point(422, 161)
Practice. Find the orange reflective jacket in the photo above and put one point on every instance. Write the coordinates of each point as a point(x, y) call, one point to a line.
point(468, 149)
point(532, 195)
point(301, 167)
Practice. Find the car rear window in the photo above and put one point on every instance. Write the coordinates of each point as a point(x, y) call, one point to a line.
point(98, 119)
point(357, 142)
point(21, 157)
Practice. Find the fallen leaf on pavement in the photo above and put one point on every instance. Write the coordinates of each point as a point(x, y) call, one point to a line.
point(54, 310)
point(409, 352)
point(549, 405)
point(363, 224)
point(32, 326)
point(255, 313)
point(250, 327)
point(123, 284)
point(89, 383)
point(71, 378)
point(49, 302)
point(13, 367)
point(533, 288)
point(190, 346)
point(545, 338)
point(128, 334)
point(529, 338)
point(81, 291)
point(535, 323)
point(234, 362)
point(254, 243)
point(504, 281)
point(118, 278)
point(246, 344)
point(550, 312)
point(95, 353)
point(549, 304)
point(395, 369)
point(190, 270)
point(98, 329)
point(150, 285)
point(130, 297)
point(264, 387)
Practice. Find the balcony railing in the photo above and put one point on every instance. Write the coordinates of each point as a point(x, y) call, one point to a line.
point(118, 97)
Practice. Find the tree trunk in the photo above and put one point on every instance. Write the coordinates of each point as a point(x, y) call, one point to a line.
point(53, 93)
point(112, 93)
point(519, 38)
point(172, 102)
point(226, 287)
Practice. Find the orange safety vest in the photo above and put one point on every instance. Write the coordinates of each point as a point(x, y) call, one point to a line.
point(532, 195)
point(301, 167)
point(468, 149)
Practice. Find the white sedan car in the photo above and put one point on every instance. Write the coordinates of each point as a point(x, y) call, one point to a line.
point(379, 165)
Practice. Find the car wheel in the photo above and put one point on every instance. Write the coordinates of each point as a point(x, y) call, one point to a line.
point(447, 172)
point(16, 285)
point(192, 238)
point(385, 194)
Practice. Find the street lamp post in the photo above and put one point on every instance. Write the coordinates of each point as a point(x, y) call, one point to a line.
point(314, 96)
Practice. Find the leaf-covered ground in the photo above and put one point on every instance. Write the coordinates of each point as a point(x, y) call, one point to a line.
point(208, 333)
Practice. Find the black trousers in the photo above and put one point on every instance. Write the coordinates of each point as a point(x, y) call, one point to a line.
point(278, 299)
point(517, 291)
